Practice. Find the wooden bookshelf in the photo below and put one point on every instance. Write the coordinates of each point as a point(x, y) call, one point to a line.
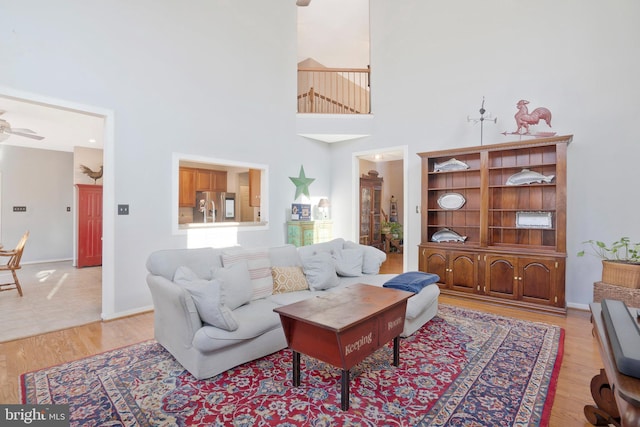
point(515, 234)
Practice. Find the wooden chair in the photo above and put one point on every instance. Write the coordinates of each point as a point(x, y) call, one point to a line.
point(13, 264)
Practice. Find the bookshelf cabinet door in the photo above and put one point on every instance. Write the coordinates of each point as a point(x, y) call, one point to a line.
point(501, 276)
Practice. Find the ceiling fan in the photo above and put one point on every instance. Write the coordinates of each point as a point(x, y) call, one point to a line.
point(6, 131)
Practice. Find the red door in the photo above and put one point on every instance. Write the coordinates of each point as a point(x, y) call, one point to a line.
point(89, 225)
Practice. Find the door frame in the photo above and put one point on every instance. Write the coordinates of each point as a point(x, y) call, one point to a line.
point(355, 192)
point(108, 183)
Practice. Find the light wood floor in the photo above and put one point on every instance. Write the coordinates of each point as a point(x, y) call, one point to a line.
point(56, 296)
point(581, 360)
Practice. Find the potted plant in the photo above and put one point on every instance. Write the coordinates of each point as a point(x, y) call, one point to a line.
point(620, 261)
point(396, 230)
point(385, 227)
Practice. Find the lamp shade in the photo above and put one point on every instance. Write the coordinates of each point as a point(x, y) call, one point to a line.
point(324, 203)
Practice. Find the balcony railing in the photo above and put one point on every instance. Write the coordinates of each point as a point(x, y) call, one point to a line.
point(334, 90)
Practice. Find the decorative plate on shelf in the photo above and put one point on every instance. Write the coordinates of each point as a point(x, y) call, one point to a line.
point(451, 201)
point(534, 220)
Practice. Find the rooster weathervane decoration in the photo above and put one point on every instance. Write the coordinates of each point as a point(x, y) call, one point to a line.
point(95, 175)
point(524, 119)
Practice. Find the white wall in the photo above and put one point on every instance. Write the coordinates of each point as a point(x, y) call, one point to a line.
point(41, 180)
point(334, 33)
point(211, 78)
point(432, 62)
point(217, 78)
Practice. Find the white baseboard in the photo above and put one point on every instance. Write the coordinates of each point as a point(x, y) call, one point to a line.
point(127, 313)
point(44, 261)
point(577, 306)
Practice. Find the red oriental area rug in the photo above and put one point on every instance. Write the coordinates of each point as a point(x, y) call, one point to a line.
point(462, 368)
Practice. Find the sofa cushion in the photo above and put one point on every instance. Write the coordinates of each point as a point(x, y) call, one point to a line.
point(237, 283)
point(320, 271)
point(348, 262)
point(422, 301)
point(259, 268)
point(292, 297)
point(288, 279)
point(209, 298)
point(254, 319)
point(284, 256)
point(329, 247)
point(372, 258)
point(416, 305)
point(200, 260)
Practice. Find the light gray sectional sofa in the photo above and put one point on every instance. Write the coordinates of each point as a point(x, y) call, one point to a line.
point(214, 307)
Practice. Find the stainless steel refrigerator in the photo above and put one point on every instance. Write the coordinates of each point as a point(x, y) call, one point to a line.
point(214, 207)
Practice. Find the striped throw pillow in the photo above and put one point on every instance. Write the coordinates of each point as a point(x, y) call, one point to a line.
point(259, 265)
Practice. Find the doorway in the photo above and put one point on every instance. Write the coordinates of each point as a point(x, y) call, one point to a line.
point(390, 164)
point(63, 125)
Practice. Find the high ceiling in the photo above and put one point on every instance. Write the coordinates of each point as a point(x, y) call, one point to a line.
point(62, 129)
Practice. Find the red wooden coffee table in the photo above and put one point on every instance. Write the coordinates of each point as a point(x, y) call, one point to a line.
point(343, 327)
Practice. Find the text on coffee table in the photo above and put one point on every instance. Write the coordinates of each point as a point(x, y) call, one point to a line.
point(355, 346)
point(392, 324)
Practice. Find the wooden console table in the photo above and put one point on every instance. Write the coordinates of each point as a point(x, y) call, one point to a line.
point(617, 396)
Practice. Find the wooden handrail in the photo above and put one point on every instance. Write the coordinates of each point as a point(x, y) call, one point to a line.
point(334, 70)
point(312, 95)
point(333, 90)
point(384, 215)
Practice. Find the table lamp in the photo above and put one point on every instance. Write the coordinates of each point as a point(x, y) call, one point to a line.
point(323, 204)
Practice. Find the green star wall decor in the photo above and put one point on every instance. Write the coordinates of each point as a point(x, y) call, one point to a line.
point(302, 183)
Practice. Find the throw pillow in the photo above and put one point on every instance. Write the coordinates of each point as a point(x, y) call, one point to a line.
point(208, 297)
point(236, 282)
point(320, 271)
point(288, 279)
point(348, 262)
point(372, 258)
point(330, 247)
point(259, 266)
point(284, 256)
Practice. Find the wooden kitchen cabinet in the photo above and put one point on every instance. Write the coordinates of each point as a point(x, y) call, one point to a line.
point(211, 180)
point(254, 187)
point(219, 181)
point(203, 180)
point(187, 187)
point(514, 233)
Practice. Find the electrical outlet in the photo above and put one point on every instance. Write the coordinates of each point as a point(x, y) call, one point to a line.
point(19, 208)
point(68, 208)
point(123, 209)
